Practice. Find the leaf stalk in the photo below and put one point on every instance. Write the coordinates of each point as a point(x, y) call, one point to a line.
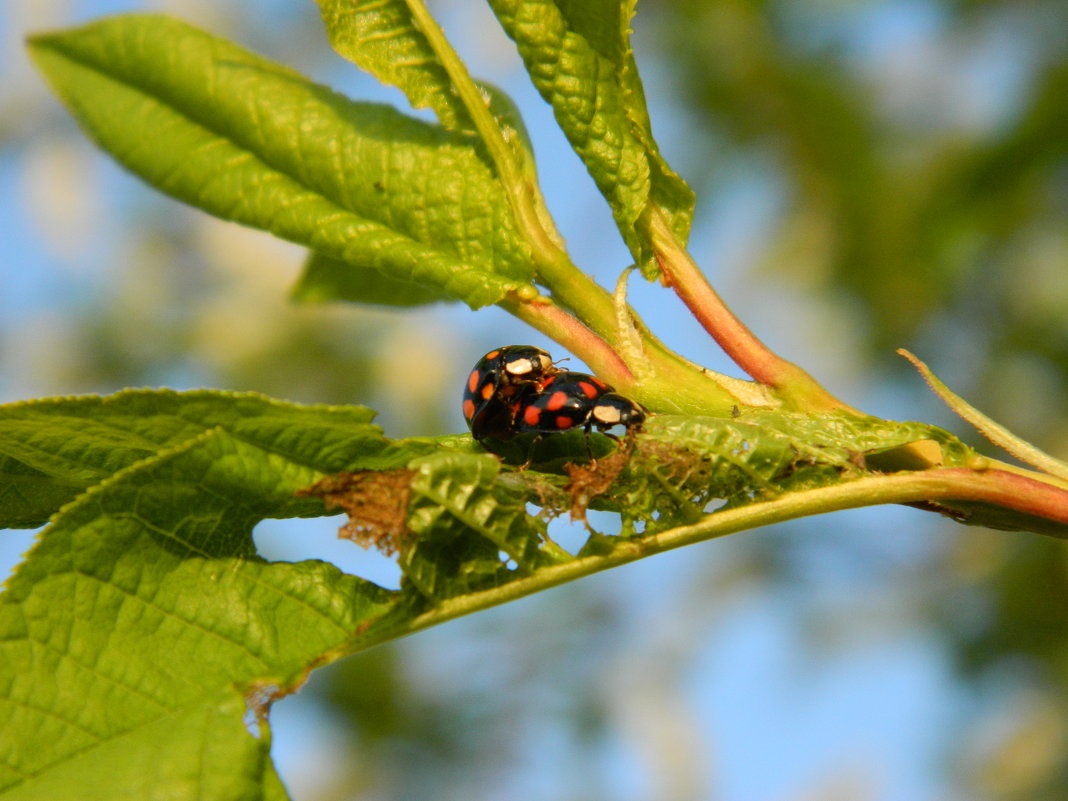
point(792, 383)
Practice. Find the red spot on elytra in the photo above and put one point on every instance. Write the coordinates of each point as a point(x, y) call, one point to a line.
point(563, 422)
point(556, 401)
point(588, 389)
point(469, 408)
point(472, 381)
point(531, 415)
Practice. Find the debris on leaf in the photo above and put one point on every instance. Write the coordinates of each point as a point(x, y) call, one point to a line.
point(376, 502)
point(593, 479)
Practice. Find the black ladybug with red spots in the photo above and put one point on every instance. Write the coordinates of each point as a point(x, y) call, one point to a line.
point(516, 390)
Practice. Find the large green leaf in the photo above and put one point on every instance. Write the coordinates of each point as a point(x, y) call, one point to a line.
point(399, 43)
point(143, 625)
point(579, 56)
point(249, 140)
point(142, 612)
point(385, 38)
point(167, 758)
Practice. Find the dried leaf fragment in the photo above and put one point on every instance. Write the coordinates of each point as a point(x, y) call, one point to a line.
point(376, 502)
point(589, 481)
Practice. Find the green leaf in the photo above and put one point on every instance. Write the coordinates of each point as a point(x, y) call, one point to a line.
point(252, 141)
point(472, 530)
point(383, 37)
point(399, 42)
point(169, 757)
point(53, 449)
point(579, 57)
point(143, 625)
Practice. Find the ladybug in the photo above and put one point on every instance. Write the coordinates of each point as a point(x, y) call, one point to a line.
point(568, 400)
point(494, 383)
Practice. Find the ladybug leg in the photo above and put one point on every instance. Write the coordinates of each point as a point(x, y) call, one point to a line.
point(589, 450)
point(620, 443)
point(530, 453)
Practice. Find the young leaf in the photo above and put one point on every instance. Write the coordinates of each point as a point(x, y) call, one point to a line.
point(472, 531)
point(681, 465)
point(579, 57)
point(993, 431)
point(381, 37)
point(252, 141)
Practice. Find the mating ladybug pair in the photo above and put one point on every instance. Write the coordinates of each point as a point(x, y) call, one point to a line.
point(516, 390)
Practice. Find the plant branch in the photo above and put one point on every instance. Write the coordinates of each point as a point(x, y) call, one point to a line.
point(557, 323)
point(676, 387)
point(662, 371)
point(1025, 494)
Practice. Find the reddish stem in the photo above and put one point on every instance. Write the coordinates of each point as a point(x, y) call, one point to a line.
point(679, 272)
point(1000, 488)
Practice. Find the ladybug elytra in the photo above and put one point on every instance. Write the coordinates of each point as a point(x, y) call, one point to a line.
point(574, 400)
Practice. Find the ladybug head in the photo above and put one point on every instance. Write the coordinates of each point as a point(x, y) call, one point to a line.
point(525, 362)
point(615, 410)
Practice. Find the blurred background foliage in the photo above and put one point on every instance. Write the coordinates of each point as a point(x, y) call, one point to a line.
point(871, 174)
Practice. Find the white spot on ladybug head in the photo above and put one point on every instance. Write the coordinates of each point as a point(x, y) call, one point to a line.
point(607, 415)
point(520, 367)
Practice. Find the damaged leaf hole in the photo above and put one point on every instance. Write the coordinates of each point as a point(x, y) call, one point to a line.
point(302, 539)
point(507, 561)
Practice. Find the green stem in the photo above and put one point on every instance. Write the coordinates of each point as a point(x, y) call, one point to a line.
point(563, 327)
point(573, 288)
